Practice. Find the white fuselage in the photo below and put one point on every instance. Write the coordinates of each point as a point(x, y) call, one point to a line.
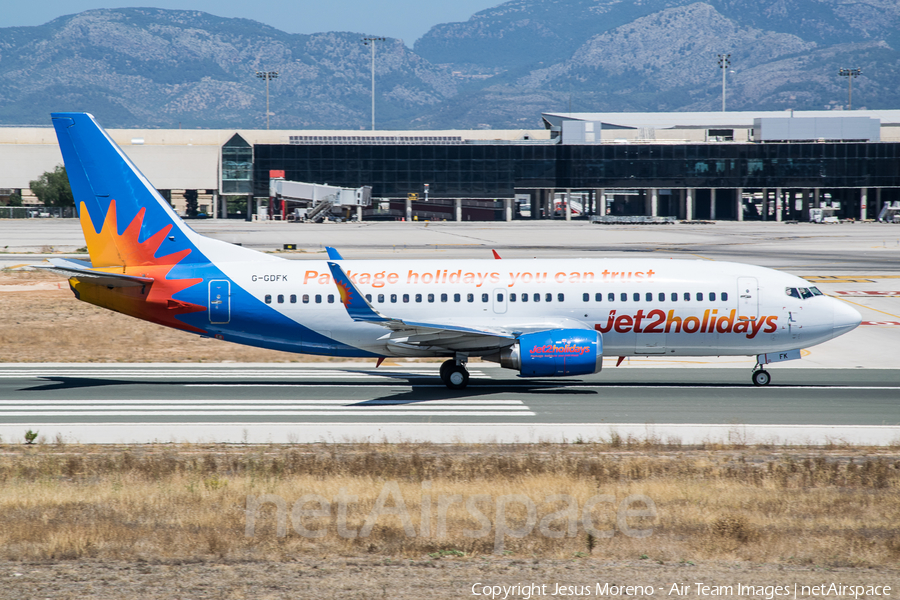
point(641, 306)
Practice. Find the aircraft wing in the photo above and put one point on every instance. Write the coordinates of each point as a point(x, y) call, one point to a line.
point(83, 270)
point(413, 334)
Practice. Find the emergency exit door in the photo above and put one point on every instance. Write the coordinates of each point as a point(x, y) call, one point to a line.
point(748, 297)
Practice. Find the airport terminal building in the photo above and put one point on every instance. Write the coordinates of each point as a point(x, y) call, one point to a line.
point(728, 165)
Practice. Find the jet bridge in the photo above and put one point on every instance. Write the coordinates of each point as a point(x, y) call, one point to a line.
point(314, 201)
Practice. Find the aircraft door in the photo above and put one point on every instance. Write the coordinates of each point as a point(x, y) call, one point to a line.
point(500, 299)
point(219, 301)
point(748, 298)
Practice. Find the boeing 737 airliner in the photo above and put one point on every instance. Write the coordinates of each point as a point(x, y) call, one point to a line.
point(542, 318)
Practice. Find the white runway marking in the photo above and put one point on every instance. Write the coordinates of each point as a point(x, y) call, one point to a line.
point(454, 433)
point(231, 374)
point(261, 408)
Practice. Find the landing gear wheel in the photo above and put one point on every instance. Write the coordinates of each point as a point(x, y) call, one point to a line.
point(761, 377)
point(445, 369)
point(457, 377)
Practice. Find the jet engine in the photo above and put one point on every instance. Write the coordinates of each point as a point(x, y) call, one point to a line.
point(553, 353)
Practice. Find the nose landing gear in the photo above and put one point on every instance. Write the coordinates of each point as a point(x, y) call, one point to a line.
point(454, 374)
point(760, 376)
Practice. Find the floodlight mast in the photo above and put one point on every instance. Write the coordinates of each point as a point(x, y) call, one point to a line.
point(370, 41)
point(267, 75)
point(724, 63)
point(850, 74)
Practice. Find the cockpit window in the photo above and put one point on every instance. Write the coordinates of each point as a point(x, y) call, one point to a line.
point(802, 293)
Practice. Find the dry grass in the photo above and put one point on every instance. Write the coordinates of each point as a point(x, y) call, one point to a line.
point(50, 325)
point(799, 507)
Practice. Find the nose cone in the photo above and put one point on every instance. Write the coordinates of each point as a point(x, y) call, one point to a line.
point(846, 318)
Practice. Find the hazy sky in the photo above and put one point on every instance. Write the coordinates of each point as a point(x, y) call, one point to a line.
point(404, 19)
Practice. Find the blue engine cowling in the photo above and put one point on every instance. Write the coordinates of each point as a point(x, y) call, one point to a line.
point(554, 353)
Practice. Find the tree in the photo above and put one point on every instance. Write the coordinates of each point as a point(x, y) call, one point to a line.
point(52, 188)
point(190, 197)
point(15, 199)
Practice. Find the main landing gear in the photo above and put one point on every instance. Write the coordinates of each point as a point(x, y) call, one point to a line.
point(454, 374)
point(760, 376)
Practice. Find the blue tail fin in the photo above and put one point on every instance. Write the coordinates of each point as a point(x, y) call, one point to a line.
point(119, 209)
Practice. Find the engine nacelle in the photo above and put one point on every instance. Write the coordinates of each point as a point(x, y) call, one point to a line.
point(553, 353)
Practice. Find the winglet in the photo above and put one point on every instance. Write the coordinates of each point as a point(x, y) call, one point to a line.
point(356, 304)
point(333, 254)
point(497, 256)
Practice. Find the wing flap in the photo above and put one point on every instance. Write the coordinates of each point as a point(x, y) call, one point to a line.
point(414, 333)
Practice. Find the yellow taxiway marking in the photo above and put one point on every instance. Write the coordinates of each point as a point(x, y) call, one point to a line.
point(867, 307)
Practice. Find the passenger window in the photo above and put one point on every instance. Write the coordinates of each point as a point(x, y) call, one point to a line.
point(393, 298)
point(470, 297)
point(636, 296)
point(560, 297)
point(485, 297)
point(305, 298)
point(431, 297)
point(380, 298)
point(405, 298)
point(611, 297)
point(712, 296)
point(418, 297)
point(648, 296)
point(268, 298)
point(330, 298)
point(674, 296)
point(548, 297)
point(724, 296)
point(318, 298)
point(524, 297)
point(662, 296)
point(457, 297)
point(444, 297)
point(586, 297)
point(512, 297)
point(687, 296)
point(293, 298)
point(623, 297)
point(499, 297)
point(369, 298)
point(699, 296)
point(280, 298)
point(598, 297)
point(537, 298)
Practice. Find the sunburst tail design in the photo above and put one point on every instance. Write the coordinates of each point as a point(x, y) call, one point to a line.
point(124, 253)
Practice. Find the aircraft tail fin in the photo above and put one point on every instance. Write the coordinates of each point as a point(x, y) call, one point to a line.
point(126, 222)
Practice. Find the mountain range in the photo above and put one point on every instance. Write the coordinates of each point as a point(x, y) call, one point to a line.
point(145, 67)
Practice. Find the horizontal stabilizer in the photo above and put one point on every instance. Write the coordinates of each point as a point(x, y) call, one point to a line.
point(83, 270)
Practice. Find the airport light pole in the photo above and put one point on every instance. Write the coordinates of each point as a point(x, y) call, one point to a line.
point(267, 75)
point(370, 41)
point(850, 74)
point(724, 63)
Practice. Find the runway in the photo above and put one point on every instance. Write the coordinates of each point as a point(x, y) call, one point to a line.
point(336, 402)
